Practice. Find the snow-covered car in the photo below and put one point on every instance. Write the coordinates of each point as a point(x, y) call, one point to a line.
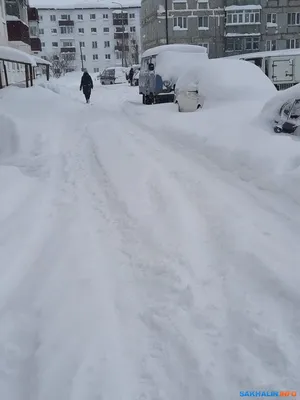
point(288, 120)
point(221, 80)
point(282, 111)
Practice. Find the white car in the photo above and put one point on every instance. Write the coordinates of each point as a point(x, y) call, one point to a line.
point(187, 96)
point(221, 80)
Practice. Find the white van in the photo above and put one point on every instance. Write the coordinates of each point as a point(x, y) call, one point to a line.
point(281, 66)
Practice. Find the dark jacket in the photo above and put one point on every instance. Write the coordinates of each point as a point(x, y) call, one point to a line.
point(131, 73)
point(86, 82)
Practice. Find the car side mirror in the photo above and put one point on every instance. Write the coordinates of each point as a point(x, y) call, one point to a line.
point(151, 67)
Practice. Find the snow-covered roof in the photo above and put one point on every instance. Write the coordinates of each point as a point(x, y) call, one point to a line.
point(180, 48)
point(274, 53)
point(90, 4)
point(41, 61)
point(234, 34)
point(14, 55)
point(241, 8)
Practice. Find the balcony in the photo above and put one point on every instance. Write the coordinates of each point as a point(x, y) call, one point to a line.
point(35, 44)
point(118, 47)
point(119, 35)
point(118, 21)
point(33, 14)
point(17, 31)
point(66, 22)
point(68, 50)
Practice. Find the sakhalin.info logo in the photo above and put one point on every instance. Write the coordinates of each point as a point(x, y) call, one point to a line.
point(292, 394)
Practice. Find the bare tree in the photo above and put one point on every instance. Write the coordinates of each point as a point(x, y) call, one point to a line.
point(61, 63)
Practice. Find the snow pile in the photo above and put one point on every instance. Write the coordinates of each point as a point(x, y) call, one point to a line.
point(222, 80)
point(170, 65)
point(270, 110)
point(230, 136)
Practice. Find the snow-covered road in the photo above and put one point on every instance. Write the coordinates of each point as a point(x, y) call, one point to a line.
point(133, 266)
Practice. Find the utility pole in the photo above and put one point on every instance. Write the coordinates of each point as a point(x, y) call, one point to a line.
point(167, 22)
point(123, 32)
point(82, 67)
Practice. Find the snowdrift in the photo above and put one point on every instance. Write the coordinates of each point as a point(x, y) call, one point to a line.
point(222, 80)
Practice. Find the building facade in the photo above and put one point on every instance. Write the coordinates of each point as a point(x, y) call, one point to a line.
point(91, 38)
point(225, 27)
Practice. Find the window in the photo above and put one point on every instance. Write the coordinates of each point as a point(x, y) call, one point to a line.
point(81, 30)
point(105, 16)
point(293, 44)
point(94, 30)
point(272, 18)
point(54, 31)
point(107, 56)
point(243, 17)
point(96, 69)
point(293, 18)
point(95, 57)
point(233, 44)
point(33, 31)
point(82, 44)
point(80, 17)
point(41, 31)
point(92, 16)
point(203, 22)
point(54, 44)
point(180, 23)
point(68, 44)
point(65, 17)
point(132, 15)
point(106, 43)
point(66, 29)
point(83, 57)
point(271, 45)
point(132, 29)
point(252, 43)
point(43, 44)
point(94, 45)
point(106, 30)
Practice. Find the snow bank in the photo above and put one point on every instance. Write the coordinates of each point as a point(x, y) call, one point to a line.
point(233, 80)
point(271, 109)
point(171, 65)
point(229, 137)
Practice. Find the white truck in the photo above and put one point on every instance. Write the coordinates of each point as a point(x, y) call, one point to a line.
point(281, 66)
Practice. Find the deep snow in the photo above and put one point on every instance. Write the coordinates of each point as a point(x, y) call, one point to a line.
point(144, 253)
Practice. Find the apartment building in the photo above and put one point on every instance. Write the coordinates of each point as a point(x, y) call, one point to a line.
point(225, 27)
point(92, 38)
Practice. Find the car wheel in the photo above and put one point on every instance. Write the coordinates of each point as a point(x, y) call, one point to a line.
point(278, 129)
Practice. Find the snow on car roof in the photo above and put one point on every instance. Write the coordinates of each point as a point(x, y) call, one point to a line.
point(180, 48)
point(263, 54)
point(14, 55)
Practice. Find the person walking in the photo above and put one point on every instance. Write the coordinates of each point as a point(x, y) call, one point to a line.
point(130, 76)
point(86, 85)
